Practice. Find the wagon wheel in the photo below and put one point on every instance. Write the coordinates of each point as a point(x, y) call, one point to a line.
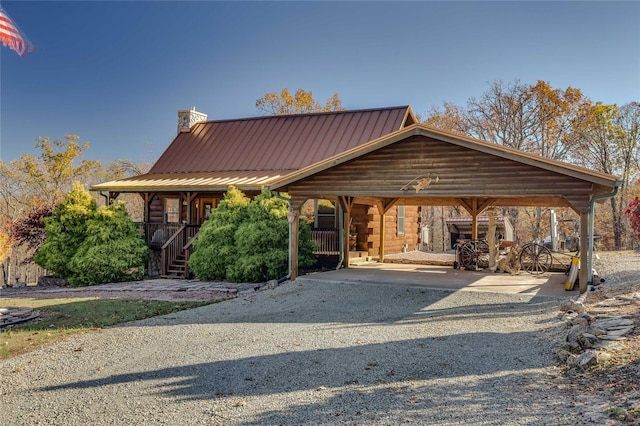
point(468, 255)
point(482, 253)
point(535, 259)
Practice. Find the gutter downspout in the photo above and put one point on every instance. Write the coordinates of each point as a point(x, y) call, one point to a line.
point(592, 203)
point(106, 198)
point(288, 200)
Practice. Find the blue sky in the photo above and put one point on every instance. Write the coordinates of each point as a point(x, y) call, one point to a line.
point(115, 73)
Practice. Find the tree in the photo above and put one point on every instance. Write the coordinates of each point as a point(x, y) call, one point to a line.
point(536, 118)
point(32, 185)
point(274, 103)
point(87, 245)
point(214, 249)
point(609, 143)
point(262, 241)
point(66, 229)
point(44, 180)
point(633, 213)
point(29, 232)
point(112, 250)
point(120, 169)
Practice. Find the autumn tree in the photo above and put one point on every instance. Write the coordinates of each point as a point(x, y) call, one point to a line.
point(533, 118)
point(31, 181)
point(610, 144)
point(28, 232)
point(301, 102)
point(633, 213)
point(120, 169)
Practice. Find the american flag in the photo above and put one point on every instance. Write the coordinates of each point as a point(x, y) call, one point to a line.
point(11, 36)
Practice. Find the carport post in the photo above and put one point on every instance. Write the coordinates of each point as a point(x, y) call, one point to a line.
point(583, 274)
point(347, 204)
point(383, 207)
point(382, 231)
point(294, 228)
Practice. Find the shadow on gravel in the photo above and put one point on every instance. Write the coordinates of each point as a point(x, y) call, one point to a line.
point(350, 303)
point(443, 378)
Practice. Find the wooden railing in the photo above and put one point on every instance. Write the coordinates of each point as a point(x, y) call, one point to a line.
point(327, 241)
point(156, 234)
point(173, 249)
point(188, 249)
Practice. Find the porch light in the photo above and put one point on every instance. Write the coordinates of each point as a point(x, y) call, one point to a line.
point(291, 216)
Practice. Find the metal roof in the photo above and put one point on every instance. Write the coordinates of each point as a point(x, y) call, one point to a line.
point(256, 151)
point(281, 142)
point(204, 181)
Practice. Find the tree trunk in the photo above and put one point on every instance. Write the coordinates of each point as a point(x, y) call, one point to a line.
point(616, 213)
point(536, 229)
point(513, 217)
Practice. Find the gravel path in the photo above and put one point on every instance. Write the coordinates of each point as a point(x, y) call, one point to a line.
point(324, 353)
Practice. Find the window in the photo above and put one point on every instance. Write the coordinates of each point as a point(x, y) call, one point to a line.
point(400, 220)
point(171, 210)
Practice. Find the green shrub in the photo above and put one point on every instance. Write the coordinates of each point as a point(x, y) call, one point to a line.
point(111, 252)
point(248, 241)
point(88, 246)
point(214, 249)
point(65, 231)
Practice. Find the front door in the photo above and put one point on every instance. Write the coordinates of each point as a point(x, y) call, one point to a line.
point(202, 209)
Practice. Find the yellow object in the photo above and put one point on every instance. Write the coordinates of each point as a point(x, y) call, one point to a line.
point(573, 273)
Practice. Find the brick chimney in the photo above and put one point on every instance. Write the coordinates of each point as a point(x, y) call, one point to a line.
point(189, 117)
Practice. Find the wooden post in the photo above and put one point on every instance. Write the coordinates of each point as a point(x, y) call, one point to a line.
point(347, 204)
point(491, 238)
point(583, 275)
point(293, 217)
point(382, 230)
point(383, 207)
point(474, 219)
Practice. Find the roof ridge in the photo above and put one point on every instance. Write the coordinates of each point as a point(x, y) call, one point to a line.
point(304, 114)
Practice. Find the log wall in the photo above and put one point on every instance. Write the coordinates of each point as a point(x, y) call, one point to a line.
point(367, 222)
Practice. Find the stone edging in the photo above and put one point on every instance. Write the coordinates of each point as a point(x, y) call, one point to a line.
point(591, 336)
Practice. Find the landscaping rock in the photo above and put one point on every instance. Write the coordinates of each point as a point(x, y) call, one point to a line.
point(572, 305)
point(16, 315)
point(50, 281)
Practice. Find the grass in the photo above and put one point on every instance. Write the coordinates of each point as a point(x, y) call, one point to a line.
point(60, 318)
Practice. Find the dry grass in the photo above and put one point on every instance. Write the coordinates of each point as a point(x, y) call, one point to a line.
point(62, 317)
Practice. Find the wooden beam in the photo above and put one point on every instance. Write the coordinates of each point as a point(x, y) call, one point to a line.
point(467, 206)
point(484, 204)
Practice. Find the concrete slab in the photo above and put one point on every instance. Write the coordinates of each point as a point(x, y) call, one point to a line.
point(445, 277)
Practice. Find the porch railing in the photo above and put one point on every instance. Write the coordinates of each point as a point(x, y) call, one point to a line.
point(173, 259)
point(156, 234)
point(327, 241)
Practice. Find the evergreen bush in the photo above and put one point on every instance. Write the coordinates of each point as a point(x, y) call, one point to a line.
point(248, 241)
point(87, 245)
point(112, 250)
point(65, 230)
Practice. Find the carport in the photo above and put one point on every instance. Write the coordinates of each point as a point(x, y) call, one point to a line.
point(419, 165)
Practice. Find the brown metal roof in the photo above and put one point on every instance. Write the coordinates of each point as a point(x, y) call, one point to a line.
point(276, 143)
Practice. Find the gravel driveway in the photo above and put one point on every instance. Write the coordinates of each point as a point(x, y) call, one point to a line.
point(314, 353)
